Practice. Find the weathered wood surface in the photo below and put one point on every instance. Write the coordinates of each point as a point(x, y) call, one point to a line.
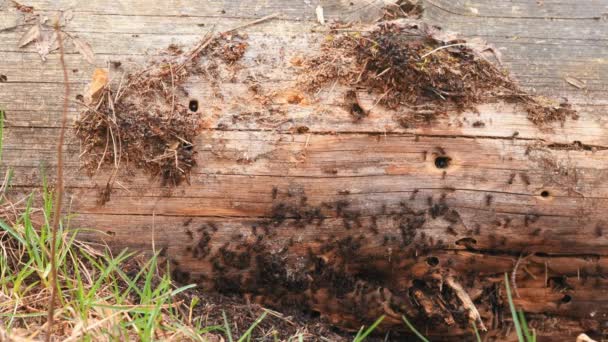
point(381, 175)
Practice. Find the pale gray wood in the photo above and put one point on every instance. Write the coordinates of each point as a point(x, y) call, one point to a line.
point(368, 164)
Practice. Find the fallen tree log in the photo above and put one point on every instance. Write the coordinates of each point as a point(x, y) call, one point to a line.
point(294, 203)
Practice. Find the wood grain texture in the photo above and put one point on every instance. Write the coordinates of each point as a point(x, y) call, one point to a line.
point(350, 219)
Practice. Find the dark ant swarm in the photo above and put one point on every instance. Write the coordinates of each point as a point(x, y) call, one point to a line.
point(412, 66)
point(337, 265)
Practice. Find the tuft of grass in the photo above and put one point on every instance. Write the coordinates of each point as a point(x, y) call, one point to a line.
point(101, 296)
point(98, 298)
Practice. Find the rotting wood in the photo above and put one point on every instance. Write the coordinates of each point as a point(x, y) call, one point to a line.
point(368, 165)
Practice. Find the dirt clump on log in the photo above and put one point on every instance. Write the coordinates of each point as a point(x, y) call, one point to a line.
point(144, 122)
point(422, 69)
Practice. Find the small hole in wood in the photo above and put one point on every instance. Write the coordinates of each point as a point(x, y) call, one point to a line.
point(545, 193)
point(442, 162)
point(193, 105)
point(3, 78)
point(79, 97)
point(566, 298)
point(357, 112)
point(111, 233)
point(432, 261)
point(417, 283)
point(466, 241)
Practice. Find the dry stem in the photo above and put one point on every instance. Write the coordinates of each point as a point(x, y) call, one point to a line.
point(466, 301)
point(58, 189)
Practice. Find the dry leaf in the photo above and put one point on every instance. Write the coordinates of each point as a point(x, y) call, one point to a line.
point(575, 82)
point(30, 35)
point(22, 8)
point(47, 43)
point(320, 16)
point(98, 82)
point(84, 49)
point(66, 16)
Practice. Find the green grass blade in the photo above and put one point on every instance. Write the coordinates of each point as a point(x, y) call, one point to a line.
point(227, 327)
point(255, 324)
point(182, 289)
point(154, 316)
point(12, 232)
point(530, 336)
point(477, 337)
point(369, 330)
point(518, 330)
point(112, 265)
point(8, 180)
point(416, 332)
point(359, 333)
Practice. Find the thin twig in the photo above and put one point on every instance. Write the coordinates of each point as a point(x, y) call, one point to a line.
point(105, 151)
point(514, 273)
point(172, 90)
point(210, 37)
point(117, 96)
point(441, 48)
point(383, 72)
point(255, 22)
point(58, 188)
point(362, 71)
point(379, 99)
point(114, 145)
point(200, 47)
point(514, 277)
